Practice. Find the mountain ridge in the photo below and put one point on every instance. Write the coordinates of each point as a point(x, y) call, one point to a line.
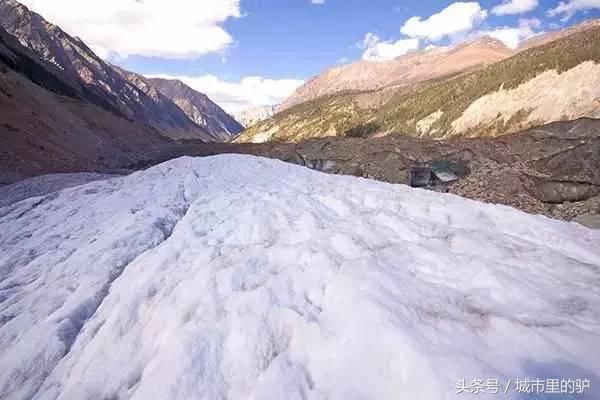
point(547, 37)
point(411, 68)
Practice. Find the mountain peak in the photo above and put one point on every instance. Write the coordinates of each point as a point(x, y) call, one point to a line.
point(485, 40)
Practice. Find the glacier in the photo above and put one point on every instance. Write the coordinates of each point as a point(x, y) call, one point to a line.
point(238, 277)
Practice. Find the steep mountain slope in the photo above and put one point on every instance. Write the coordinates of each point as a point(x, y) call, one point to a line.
point(559, 80)
point(409, 69)
point(235, 277)
point(20, 59)
point(253, 115)
point(199, 108)
point(504, 97)
point(103, 85)
point(182, 127)
point(46, 125)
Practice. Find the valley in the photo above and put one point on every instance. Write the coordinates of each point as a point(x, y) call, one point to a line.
point(422, 213)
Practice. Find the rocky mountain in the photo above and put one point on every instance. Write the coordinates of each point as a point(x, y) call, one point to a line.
point(15, 57)
point(500, 98)
point(414, 67)
point(171, 112)
point(169, 107)
point(102, 84)
point(199, 108)
point(48, 125)
point(254, 115)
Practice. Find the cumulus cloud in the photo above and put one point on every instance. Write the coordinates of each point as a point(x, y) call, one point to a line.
point(376, 50)
point(512, 36)
point(510, 7)
point(569, 8)
point(168, 29)
point(235, 96)
point(317, 1)
point(458, 18)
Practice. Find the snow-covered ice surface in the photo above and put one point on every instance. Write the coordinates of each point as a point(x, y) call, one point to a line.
point(42, 185)
point(235, 277)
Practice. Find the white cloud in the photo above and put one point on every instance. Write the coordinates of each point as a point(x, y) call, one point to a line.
point(237, 96)
point(568, 8)
point(169, 29)
point(434, 47)
point(317, 1)
point(512, 36)
point(370, 40)
point(509, 7)
point(376, 50)
point(455, 19)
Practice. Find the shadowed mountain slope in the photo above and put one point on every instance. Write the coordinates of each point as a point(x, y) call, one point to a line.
point(102, 84)
point(47, 125)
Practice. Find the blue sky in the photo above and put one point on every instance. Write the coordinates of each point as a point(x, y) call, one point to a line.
point(296, 39)
point(252, 52)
